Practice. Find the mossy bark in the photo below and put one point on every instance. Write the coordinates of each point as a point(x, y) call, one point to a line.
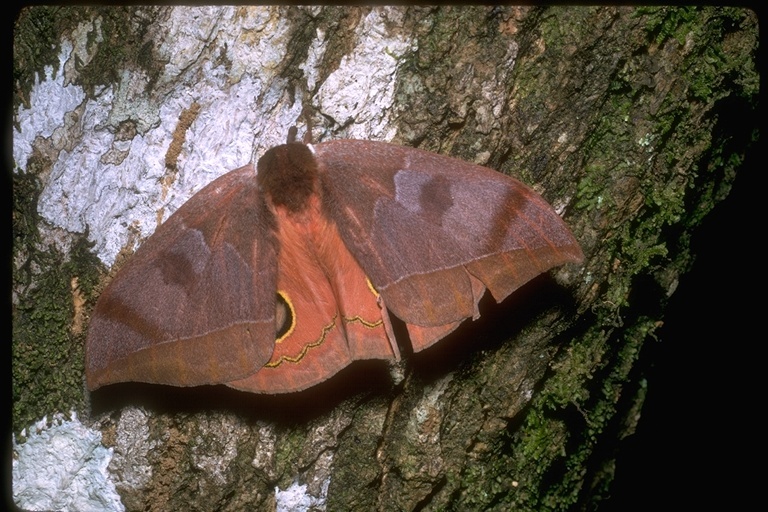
point(632, 122)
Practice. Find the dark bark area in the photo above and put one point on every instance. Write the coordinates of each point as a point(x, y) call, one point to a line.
point(706, 340)
point(632, 122)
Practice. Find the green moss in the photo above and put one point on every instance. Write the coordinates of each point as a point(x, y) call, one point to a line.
point(124, 46)
point(558, 436)
point(35, 46)
point(639, 246)
point(291, 441)
point(665, 22)
point(646, 183)
point(47, 356)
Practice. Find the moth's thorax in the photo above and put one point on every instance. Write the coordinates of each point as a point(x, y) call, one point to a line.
point(288, 176)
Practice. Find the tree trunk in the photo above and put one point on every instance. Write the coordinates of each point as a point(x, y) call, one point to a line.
point(631, 122)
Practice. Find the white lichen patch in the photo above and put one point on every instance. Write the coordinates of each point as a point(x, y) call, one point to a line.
point(51, 100)
point(183, 37)
point(320, 477)
point(361, 91)
point(130, 465)
point(296, 498)
point(314, 58)
point(317, 457)
point(108, 171)
point(86, 38)
point(63, 466)
point(309, 490)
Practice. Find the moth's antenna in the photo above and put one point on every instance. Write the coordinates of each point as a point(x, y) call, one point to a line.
point(292, 131)
point(308, 118)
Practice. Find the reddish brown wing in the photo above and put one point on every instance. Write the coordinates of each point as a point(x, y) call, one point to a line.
point(333, 314)
point(196, 303)
point(432, 232)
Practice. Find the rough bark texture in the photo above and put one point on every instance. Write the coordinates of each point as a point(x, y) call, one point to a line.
point(632, 122)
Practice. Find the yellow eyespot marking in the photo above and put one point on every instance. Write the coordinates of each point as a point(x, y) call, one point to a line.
point(300, 356)
point(370, 287)
point(358, 318)
point(291, 321)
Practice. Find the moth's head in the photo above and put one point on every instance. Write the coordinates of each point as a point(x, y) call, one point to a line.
point(288, 175)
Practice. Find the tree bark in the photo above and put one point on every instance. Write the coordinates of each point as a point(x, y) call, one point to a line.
point(631, 122)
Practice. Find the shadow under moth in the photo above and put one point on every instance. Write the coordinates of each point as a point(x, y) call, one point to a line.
point(273, 279)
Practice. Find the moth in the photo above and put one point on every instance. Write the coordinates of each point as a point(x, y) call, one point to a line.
point(271, 280)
